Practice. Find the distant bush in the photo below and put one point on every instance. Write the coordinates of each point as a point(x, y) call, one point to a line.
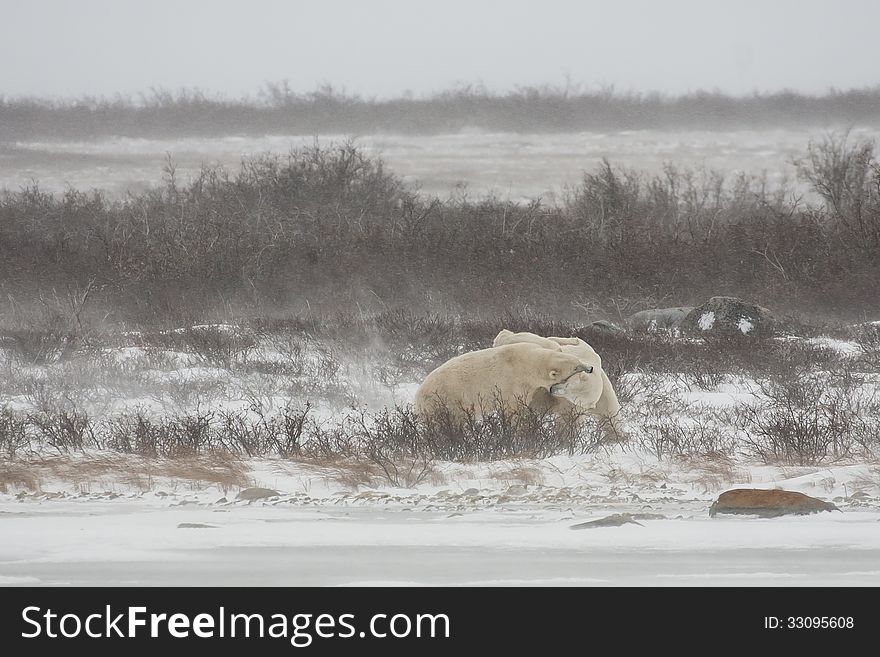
point(14, 440)
point(847, 178)
point(280, 110)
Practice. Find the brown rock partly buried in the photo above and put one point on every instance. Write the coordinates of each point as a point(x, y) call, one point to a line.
point(768, 503)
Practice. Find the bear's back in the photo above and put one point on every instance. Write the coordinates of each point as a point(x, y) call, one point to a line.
point(466, 378)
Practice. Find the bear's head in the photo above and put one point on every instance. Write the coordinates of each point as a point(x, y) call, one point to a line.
point(582, 387)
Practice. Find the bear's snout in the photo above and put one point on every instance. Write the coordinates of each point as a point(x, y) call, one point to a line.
point(560, 389)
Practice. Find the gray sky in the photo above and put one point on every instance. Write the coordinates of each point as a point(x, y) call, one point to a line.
point(385, 47)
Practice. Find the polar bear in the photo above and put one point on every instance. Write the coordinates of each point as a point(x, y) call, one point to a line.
point(508, 337)
point(590, 392)
point(508, 374)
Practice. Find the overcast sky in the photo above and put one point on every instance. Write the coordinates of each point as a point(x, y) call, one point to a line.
point(386, 47)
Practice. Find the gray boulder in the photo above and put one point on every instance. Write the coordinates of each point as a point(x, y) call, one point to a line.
point(730, 316)
point(604, 326)
point(615, 520)
point(256, 493)
point(658, 318)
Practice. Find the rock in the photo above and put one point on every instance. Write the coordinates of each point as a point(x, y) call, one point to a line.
point(516, 490)
point(604, 326)
point(658, 318)
point(615, 520)
point(255, 493)
point(768, 503)
point(195, 525)
point(729, 316)
point(471, 492)
point(371, 495)
point(647, 516)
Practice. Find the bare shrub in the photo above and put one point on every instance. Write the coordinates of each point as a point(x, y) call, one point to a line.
point(34, 347)
point(403, 471)
point(13, 434)
point(186, 435)
point(636, 387)
point(810, 420)
point(706, 375)
point(53, 328)
point(500, 431)
point(237, 434)
point(290, 430)
point(216, 346)
point(132, 434)
point(847, 178)
point(180, 394)
point(669, 427)
point(867, 337)
point(64, 429)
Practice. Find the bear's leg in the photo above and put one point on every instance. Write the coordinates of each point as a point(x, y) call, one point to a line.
point(542, 401)
point(607, 410)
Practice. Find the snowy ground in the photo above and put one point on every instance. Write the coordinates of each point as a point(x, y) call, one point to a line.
point(476, 525)
point(510, 165)
point(96, 517)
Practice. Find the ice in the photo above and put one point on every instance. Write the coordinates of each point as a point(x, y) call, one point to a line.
point(136, 542)
point(511, 165)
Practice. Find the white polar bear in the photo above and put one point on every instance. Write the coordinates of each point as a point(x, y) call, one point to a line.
point(591, 393)
point(508, 375)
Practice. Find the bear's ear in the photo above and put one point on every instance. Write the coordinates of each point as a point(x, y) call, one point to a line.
point(554, 374)
point(503, 333)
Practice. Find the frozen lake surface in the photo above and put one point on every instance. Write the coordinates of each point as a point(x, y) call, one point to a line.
point(510, 165)
point(128, 542)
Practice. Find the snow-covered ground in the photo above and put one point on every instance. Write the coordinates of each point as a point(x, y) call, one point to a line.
point(506, 523)
point(102, 517)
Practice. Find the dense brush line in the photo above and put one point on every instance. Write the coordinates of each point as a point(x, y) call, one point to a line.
point(387, 435)
point(278, 109)
point(796, 421)
point(329, 227)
